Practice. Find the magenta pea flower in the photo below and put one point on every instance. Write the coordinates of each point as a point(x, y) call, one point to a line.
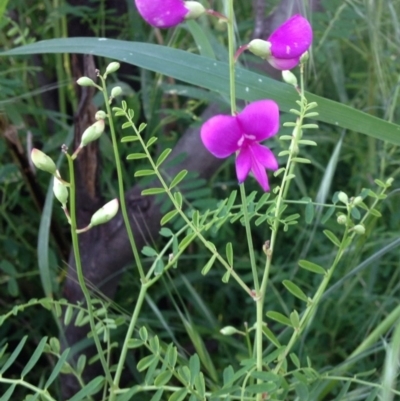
point(168, 13)
point(285, 46)
point(224, 135)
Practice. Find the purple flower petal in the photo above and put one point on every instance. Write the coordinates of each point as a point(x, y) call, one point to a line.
point(162, 13)
point(260, 174)
point(264, 156)
point(259, 120)
point(221, 135)
point(291, 39)
point(243, 164)
point(283, 64)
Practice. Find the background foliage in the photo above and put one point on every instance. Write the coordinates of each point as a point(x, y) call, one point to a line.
point(354, 61)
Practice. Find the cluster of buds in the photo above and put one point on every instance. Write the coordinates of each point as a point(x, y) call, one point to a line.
point(92, 133)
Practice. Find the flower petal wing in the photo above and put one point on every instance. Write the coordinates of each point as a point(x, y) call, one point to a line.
point(264, 156)
point(292, 38)
point(260, 119)
point(243, 164)
point(162, 13)
point(221, 135)
point(283, 64)
point(260, 175)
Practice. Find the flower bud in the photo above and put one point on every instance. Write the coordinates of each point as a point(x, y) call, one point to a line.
point(116, 91)
point(260, 48)
point(228, 331)
point(100, 115)
point(342, 219)
point(60, 191)
point(359, 229)
point(289, 77)
point(195, 9)
point(105, 214)
point(42, 161)
point(389, 181)
point(304, 57)
point(92, 133)
point(343, 197)
point(357, 200)
point(112, 67)
point(85, 81)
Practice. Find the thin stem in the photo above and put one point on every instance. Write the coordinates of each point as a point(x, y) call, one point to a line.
point(121, 183)
point(270, 247)
point(249, 238)
point(231, 51)
point(128, 336)
point(79, 270)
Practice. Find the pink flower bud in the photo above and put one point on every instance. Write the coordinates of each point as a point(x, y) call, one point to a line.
point(168, 13)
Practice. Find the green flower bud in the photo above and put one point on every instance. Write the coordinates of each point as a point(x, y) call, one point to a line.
point(195, 9)
point(85, 81)
point(228, 331)
point(359, 229)
point(100, 115)
point(43, 162)
point(60, 191)
point(357, 200)
point(304, 58)
point(105, 214)
point(112, 67)
point(342, 219)
point(260, 48)
point(389, 181)
point(92, 133)
point(116, 91)
point(343, 198)
point(289, 78)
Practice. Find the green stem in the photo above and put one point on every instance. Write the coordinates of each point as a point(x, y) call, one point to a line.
point(79, 270)
point(121, 182)
point(270, 247)
point(124, 351)
point(231, 50)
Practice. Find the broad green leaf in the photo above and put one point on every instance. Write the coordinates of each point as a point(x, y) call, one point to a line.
point(149, 251)
point(208, 265)
point(178, 178)
point(153, 191)
point(278, 317)
point(145, 362)
point(295, 360)
point(157, 395)
point(143, 333)
point(136, 156)
point(34, 357)
point(163, 156)
point(7, 395)
point(169, 216)
point(295, 290)
point(312, 267)
point(194, 366)
point(143, 173)
point(212, 74)
point(330, 235)
point(91, 388)
point(261, 388)
point(187, 240)
point(14, 355)
point(57, 369)
point(131, 138)
point(229, 253)
point(163, 378)
point(166, 232)
point(178, 395)
point(151, 141)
